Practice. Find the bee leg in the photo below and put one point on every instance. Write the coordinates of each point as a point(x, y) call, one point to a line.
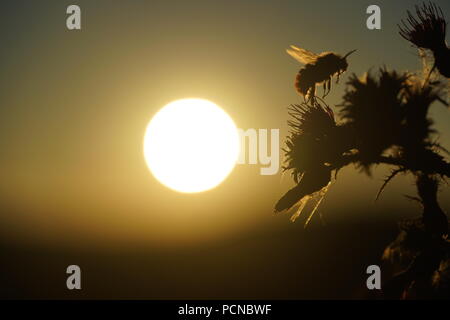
point(337, 78)
point(328, 85)
point(325, 89)
point(313, 92)
point(308, 94)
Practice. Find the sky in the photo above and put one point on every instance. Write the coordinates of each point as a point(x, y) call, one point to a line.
point(75, 106)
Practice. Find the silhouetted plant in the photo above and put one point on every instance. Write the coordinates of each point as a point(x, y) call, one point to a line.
point(428, 31)
point(383, 120)
point(374, 108)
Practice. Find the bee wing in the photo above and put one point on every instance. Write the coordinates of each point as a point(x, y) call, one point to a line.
point(302, 55)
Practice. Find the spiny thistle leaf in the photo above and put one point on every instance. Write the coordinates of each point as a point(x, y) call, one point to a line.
point(310, 183)
point(388, 179)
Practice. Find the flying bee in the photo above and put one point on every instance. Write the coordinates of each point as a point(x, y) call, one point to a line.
point(319, 68)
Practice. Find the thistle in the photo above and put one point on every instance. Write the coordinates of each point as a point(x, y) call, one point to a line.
point(428, 31)
point(384, 120)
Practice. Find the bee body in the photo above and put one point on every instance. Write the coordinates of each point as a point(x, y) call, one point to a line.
point(326, 66)
point(318, 69)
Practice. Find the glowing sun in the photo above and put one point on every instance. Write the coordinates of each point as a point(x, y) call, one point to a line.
point(191, 145)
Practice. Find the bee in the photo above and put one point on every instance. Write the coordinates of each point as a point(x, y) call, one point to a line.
point(319, 68)
point(428, 31)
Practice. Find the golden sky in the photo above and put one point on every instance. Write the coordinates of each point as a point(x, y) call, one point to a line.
point(75, 105)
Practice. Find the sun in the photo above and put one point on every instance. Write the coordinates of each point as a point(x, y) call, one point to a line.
point(191, 145)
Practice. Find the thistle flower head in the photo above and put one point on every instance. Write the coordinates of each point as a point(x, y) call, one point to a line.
point(308, 145)
point(418, 99)
point(374, 107)
point(427, 30)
